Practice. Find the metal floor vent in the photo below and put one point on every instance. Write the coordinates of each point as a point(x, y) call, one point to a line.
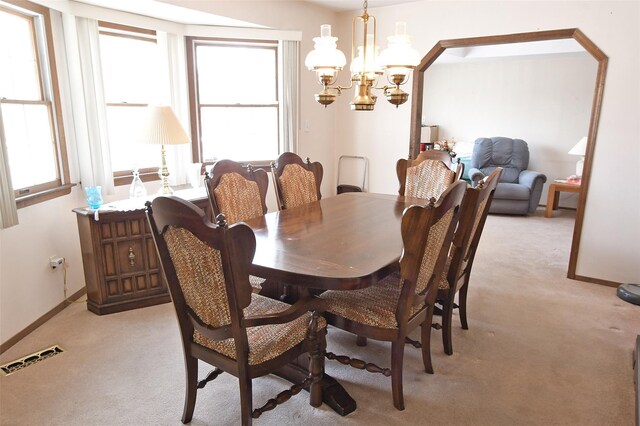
point(28, 360)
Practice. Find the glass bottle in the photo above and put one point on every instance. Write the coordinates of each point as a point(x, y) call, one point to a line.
point(137, 189)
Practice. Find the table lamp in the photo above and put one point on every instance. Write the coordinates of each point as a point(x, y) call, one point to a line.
point(579, 149)
point(162, 127)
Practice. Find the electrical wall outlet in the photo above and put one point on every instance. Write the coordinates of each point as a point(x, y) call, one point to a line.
point(55, 262)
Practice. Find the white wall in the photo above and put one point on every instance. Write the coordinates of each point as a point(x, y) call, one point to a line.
point(610, 234)
point(609, 250)
point(29, 289)
point(543, 99)
point(317, 124)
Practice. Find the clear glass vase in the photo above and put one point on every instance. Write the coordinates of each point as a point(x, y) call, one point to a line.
point(137, 189)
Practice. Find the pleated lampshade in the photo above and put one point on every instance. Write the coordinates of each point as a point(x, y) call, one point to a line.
point(162, 127)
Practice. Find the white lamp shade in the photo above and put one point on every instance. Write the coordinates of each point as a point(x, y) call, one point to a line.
point(399, 57)
point(162, 127)
point(325, 58)
point(580, 148)
point(371, 67)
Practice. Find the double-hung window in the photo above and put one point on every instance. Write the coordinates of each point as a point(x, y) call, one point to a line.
point(234, 101)
point(132, 78)
point(29, 104)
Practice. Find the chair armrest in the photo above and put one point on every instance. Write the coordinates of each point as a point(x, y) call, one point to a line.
point(534, 181)
point(301, 307)
point(529, 178)
point(475, 175)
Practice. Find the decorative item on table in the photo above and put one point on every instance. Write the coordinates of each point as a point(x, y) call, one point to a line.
point(137, 189)
point(162, 127)
point(579, 149)
point(574, 179)
point(446, 145)
point(366, 65)
point(428, 136)
point(94, 196)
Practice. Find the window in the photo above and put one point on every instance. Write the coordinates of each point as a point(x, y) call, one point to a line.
point(29, 105)
point(131, 61)
point(234, 99)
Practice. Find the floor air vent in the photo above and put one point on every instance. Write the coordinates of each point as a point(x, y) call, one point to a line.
point(28, 360)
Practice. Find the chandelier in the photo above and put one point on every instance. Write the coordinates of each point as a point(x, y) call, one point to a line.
point(367, 64)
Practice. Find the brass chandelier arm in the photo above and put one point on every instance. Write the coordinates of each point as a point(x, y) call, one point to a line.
point(366, 64)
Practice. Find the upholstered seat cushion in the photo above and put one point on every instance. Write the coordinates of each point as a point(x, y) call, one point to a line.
point(512, 191)
point(373, 306)
point(267, 341)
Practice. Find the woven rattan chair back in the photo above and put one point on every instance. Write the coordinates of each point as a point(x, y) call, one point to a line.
point(424, 178)
point(237, 191)
point(437, 154)
point(297, 182)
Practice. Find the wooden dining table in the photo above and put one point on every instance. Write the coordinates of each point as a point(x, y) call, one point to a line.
point(345, 242)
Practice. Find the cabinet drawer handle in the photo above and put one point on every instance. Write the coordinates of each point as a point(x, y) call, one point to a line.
point(132, 257)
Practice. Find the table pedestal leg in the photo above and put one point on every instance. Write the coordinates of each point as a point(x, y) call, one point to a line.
point(333, 394)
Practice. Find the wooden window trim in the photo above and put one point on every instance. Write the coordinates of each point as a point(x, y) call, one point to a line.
point(125, 177)
point(61, 186)
point(126, 28)
point(195, 106)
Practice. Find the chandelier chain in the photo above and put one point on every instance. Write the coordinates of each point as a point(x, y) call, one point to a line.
point(365, 6)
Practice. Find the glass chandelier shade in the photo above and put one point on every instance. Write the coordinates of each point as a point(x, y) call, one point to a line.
point(325, 58)
point(367, 63)
point(399, 58)
point(371, 68)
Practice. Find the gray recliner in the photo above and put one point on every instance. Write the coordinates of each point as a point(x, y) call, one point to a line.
point(519, 189)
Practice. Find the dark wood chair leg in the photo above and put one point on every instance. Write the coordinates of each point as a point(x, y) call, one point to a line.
point(462, 302)
point(397, 355)
point(191, 373)
point(425, 339)
point(246, 398)
point(361, 341)
point(447, 318)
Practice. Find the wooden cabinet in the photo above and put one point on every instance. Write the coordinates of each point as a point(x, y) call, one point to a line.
point(121, 266)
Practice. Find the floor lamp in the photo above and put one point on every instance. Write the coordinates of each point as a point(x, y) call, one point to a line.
point(162, 127)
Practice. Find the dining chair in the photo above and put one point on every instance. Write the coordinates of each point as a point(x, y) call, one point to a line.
point(394, 306)
point(473, 215)
point(437, 154)
point(240, 193)
point(424, 177)
point(221, 321)
point(296, 181)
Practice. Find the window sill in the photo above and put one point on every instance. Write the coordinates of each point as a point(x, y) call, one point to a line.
point(48, 194)
point(126, 177)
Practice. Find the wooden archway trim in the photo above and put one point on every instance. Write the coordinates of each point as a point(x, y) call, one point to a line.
point(588, 45)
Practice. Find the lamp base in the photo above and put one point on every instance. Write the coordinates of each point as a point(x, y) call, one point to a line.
point(165, 190)
point(163, 172)
point(579, 167)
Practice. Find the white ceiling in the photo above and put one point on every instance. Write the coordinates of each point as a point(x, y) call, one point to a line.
point(173, 12)
point(344, 5)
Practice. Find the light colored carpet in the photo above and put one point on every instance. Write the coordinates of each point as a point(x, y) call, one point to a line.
point(541, 350)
